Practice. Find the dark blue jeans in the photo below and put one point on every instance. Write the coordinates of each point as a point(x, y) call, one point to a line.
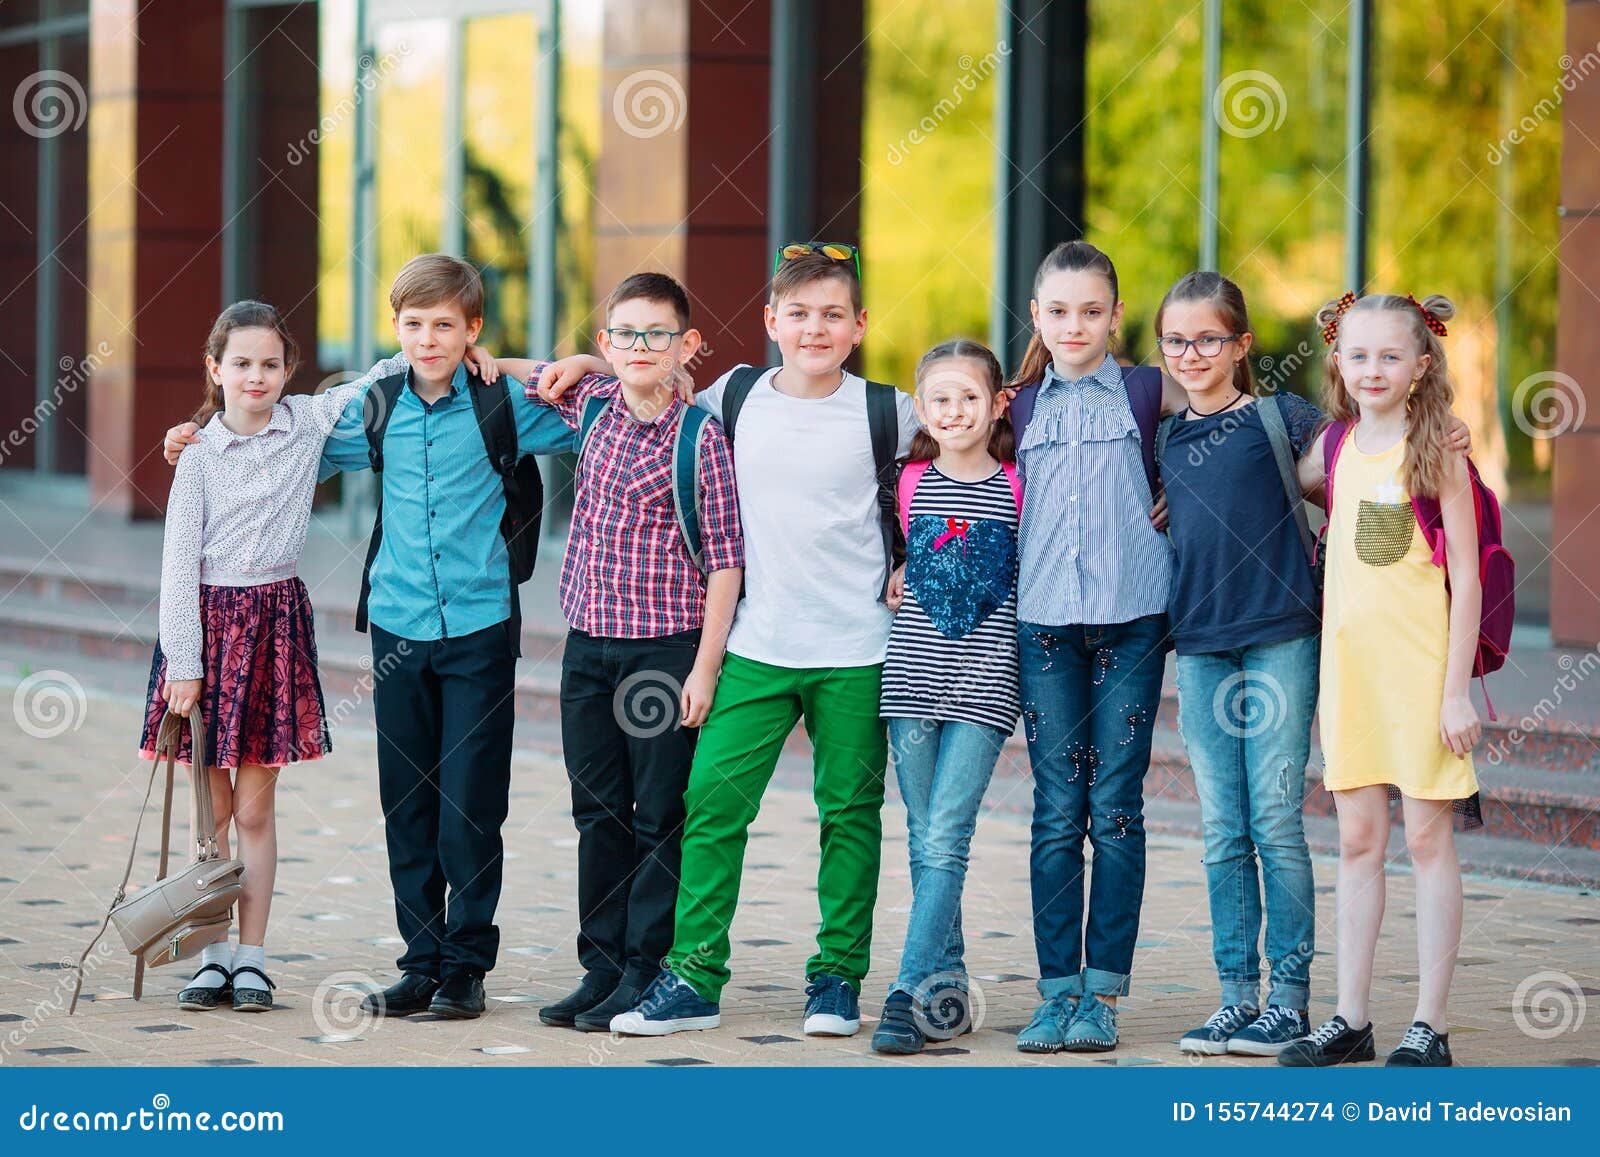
point(1089, 700)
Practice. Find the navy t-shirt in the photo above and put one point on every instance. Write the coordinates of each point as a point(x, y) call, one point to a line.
point(1241, 576)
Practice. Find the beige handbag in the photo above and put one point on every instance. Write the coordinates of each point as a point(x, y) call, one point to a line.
point(176, 916)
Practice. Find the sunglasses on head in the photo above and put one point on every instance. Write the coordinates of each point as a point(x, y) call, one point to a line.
point(837, 250)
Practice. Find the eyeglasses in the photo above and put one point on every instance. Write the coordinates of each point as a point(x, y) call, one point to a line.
point(1209, 346)
point(655, 340)
point(837, 250)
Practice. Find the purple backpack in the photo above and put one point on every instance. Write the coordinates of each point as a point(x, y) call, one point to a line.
point(1496, 571)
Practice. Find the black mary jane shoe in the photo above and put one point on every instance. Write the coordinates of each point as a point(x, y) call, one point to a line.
point(201, 997)
point(253, 999)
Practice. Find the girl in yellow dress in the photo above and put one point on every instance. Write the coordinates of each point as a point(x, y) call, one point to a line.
point(1397, 651)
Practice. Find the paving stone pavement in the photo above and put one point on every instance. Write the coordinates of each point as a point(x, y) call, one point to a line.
point(1524, 992)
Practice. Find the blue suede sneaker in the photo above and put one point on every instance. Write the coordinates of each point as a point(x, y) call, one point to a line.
point(1093, 1028)
point(832, 1006)
point(1047, 1031)
point(669, 1005)
point(1270, 1033)
point(1211, 1039)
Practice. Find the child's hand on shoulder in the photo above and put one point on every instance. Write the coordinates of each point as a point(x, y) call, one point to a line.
point(560, 376)
point(1459, 727)
point(1158, 512)
point(181, 435)
point(1458, 437)
point(699, 689)
point(897, 588)
point(181, 695)
point(481, 362)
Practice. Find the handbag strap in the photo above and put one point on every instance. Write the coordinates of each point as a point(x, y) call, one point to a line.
point(168, 739)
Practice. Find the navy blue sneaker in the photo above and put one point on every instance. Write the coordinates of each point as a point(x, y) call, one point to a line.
point(833, 1007)
point(669, 1005)
point(1270, 1033)
point(898, 1033)
point(1211, 1039)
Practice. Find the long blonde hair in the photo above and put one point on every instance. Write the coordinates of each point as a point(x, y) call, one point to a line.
point(1428, 416)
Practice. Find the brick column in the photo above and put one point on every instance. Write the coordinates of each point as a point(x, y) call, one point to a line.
point(155, 197)
point(1575, 569)
point(682, 183)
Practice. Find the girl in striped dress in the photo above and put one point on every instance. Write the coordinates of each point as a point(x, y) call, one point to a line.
point(950, 689)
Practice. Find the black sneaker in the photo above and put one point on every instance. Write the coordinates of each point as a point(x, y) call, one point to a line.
point(898, 1032)
point(1422, 1048)
point(1334, 1043)
point(1211, 1039)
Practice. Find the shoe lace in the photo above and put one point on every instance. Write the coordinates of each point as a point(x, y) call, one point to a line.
point(825, 994)
point(1327, 1032)
point(1418, 1038)
point(1229, 1018)
point(1055, 1008)
point(658, 993)
point(1277, 1017)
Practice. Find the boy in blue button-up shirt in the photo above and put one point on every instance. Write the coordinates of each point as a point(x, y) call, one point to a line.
point(441, 619)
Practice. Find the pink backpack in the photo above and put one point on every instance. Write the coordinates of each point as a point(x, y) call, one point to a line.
point(912, 473)
point(1496, 571)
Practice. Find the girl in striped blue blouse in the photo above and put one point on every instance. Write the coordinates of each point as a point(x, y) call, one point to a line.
point(950, 675)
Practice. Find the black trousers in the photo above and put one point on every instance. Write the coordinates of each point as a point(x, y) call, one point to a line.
point(445, 711)
point(628, 759)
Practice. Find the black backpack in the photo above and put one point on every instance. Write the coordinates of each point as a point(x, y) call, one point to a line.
point(883, 423)
point(519, 475)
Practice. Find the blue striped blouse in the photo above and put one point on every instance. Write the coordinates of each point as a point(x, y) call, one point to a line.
point(1088, 552)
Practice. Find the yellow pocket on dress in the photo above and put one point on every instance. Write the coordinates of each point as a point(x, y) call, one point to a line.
point(1383, 531)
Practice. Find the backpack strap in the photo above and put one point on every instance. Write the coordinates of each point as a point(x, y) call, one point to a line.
point(377, 405)
point(1283, 454)
point(593, 407)
point(1020, 411)
point(883, 423)
point(740, 383)
point(688, 451)
point(910, 475)
point(1143, 384)
point(1332, 442)
point(1015, 480)
point(491, 405)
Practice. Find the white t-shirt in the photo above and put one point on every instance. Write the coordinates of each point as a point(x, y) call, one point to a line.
point(808, 504)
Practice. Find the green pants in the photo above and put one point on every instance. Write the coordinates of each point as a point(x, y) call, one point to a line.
point(756, 707)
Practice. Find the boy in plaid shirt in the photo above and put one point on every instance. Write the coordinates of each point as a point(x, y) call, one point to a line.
point(648, 623)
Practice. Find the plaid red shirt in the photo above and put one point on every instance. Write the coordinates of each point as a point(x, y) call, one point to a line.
point(628, 574)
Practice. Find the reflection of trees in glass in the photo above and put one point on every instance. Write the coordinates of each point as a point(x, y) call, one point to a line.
point(497, 245)
point(927, 206)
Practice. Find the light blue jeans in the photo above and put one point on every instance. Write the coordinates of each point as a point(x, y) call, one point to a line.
point(1245, 716)
point(943, 769)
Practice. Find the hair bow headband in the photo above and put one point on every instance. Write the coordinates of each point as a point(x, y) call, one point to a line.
point(1330, 332)
point(1428, 317)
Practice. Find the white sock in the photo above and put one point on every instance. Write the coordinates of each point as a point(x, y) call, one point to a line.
point(220, 953)
point(256, 957)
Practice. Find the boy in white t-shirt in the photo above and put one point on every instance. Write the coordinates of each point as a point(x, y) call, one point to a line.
point(814, 449)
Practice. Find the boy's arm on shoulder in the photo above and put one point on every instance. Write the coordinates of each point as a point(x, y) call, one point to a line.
point(541, 429)
point(710, 398)
point(721, 533)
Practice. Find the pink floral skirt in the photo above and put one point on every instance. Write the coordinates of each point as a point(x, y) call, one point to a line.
point(261, 699)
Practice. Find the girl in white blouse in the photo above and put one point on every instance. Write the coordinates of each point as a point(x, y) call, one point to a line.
point(236, 627)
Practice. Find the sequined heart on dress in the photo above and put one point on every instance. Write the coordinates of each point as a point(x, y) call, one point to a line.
point(960, 571)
